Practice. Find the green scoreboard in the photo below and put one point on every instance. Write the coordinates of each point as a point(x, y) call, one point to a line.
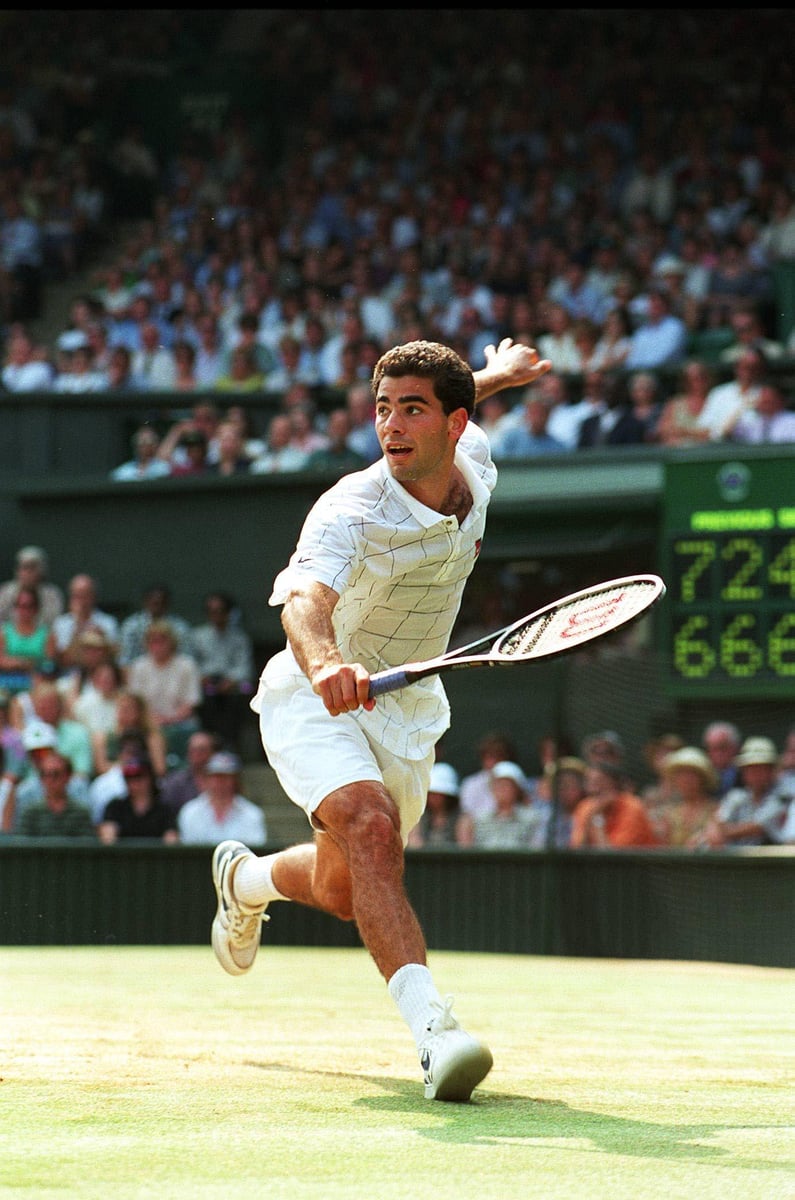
point(728, 559)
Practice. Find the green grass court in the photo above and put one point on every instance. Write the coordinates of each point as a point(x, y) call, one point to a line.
point(147, 1072)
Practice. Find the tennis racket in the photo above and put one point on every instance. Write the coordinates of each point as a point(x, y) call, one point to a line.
point(559, 627)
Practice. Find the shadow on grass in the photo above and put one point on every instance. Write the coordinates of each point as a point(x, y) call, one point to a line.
point(497, 1117)
point(493, 1118)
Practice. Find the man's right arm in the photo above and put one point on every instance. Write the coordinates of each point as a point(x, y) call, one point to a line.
point(306, 619)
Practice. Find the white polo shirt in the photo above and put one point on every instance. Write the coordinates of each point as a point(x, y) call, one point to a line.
point(399, 569)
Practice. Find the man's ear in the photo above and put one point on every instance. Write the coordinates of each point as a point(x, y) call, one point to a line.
point(457, 422)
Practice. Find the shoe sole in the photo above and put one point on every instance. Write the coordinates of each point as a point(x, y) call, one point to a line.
point(463, 1077)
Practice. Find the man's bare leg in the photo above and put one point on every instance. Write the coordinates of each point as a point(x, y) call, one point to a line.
point(355, 870)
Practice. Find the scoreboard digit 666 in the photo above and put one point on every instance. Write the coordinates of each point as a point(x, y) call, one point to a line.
point(728, 560)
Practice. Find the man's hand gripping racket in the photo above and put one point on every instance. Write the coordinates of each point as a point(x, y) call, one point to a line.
point(559, 627)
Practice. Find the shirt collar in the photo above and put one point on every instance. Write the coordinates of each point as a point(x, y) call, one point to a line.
point(428, 517)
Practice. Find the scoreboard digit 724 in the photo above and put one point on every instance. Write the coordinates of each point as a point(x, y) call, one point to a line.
point(728, 560)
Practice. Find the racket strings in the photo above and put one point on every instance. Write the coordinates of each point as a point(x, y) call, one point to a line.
point(578, 621)
point(524, 640)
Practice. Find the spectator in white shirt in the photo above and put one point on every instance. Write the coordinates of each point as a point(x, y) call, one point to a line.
point(25, 369)
point(661, 340)
point(558, 344)
point(727, 401)
point(82, 613)
point(768, 421)
point(220, 812)
point(144, 463)
point(78, 373)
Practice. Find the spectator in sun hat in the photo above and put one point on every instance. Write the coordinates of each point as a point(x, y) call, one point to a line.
point(30, 569)
point(441, 822)
point(752, 814)
point(220, 811)
point(683, 818)
point(515, 822)
point(476, 795)
point(40, 739)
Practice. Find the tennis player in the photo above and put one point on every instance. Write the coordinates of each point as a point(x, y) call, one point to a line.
point(375, 581)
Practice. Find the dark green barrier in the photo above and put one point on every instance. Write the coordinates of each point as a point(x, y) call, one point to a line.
point(724, 907)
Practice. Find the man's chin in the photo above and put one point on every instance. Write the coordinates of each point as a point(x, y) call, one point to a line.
point(399, 469)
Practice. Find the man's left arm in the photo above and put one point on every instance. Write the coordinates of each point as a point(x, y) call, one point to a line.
point(509, 365)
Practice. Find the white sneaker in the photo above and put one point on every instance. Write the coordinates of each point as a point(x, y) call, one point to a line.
point(454, 1062)
point(236, 927)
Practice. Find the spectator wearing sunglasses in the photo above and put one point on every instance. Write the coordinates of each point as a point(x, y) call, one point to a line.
point(56, 815)
point(140, 812)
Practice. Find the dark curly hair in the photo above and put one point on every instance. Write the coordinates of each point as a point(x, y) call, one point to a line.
point(453, 382)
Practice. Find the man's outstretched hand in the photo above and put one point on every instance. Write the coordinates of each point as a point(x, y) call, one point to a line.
point(508, 365)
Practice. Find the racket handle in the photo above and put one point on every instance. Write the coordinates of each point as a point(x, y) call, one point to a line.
point(388, 681)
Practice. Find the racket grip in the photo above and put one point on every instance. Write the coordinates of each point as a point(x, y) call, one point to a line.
point(388, 681)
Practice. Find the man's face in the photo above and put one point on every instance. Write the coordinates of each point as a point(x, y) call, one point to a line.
point(216, 612)
point(81, 595)
point(417, 437)
point(571, 789)
point(200, 749)
point(29, 572)
point(221, 788)
point(156, 603)
point(54, 775)
point(507, 794)
point(159, 646)
point(758, 777)
point(720, 750)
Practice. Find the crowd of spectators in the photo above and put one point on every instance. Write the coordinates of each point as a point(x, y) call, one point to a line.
point(621, 200)
point(121, 728)
point(727, 791)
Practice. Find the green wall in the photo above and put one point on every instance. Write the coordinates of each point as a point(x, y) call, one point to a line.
point(720, 907)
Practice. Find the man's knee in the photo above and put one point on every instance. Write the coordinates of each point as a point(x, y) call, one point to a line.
point(364, 823)
point(378, 829)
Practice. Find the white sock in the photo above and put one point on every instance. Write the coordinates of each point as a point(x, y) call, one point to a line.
point(253, 881)
point(413, 990)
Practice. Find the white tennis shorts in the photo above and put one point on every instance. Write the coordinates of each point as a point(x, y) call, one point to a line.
point(314, 753)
